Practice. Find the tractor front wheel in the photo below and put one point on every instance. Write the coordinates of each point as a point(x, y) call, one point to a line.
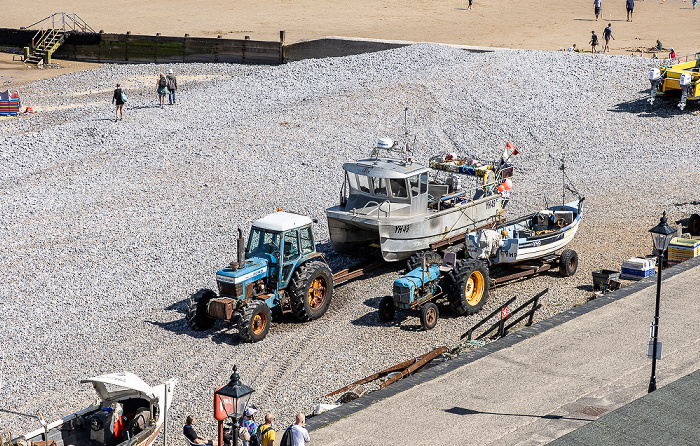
point(468, 284)
point(694, 224)
point(197, 317)
point(429, 315)
point(310, 290)
point(387, 309)
point(254, 323)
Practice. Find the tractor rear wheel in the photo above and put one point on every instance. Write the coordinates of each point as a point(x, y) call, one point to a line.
point(197, 317)
point(468, 286)
point(416, 260)
point(429, 315)
point(254, 323)
point(568, 263)
point(387, 309)
point(310, 290)
point(694, 224)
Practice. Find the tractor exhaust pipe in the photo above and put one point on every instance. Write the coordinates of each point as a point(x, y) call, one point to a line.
point(240, 248)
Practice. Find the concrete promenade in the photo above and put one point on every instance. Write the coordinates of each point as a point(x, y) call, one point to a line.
point(539, 383)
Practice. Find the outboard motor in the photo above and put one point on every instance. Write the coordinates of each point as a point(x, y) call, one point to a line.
point(655, 79)
point(686, 84)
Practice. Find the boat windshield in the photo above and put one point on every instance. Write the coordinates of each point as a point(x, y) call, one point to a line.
point(262, 242)
point(383, 187)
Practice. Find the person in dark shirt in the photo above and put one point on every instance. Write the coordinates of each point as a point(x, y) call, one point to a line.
point(119, 100)
point(607, 35)
point(594, 41)
point(191, 434)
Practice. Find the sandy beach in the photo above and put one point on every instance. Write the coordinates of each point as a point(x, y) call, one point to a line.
point(551, 25)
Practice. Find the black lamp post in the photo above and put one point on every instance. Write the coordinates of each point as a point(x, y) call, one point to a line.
point(661, 234)
point(234, 398)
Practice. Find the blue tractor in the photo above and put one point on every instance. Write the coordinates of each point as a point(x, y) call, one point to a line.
point(464, 284)
point(279, 269)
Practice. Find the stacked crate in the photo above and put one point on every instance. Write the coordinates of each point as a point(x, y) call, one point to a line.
point(682, 249)
point(637, 269)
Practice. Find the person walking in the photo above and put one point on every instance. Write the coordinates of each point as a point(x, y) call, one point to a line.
point(191, 434)
point(118, 97)
point(249, 424)
point(470, 5)
point(593, 42)
point(596, 8)
point(171, 83)
point(630, 9)
point(299, 433)
point(267, 433)
point(162, 89)
point(607, 35)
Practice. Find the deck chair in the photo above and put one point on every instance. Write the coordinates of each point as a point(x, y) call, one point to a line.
point(448, 261)
point(188, 442)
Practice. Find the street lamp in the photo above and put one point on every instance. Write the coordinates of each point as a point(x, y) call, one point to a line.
point(234, 398)
point(661, 234)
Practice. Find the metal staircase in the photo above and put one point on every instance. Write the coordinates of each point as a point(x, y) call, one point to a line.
point(53, 32)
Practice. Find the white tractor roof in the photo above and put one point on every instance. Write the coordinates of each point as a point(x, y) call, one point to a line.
point(281, 221)
point(123, 381)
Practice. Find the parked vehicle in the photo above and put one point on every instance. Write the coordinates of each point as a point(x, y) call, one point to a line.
point(528, 243)
point(128, 412)
point(678, 77)
point(279, 269)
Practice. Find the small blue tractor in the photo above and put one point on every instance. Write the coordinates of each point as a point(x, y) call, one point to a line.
point(279, 269)
point(463, 283)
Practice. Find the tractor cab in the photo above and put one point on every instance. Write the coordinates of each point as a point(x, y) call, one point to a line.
point(281, 237)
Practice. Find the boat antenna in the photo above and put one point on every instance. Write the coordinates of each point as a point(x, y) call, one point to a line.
point(566, 183)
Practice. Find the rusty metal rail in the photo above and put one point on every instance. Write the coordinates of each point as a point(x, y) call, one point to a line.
point(507, 316)
point(404, 368)
point(540, 266)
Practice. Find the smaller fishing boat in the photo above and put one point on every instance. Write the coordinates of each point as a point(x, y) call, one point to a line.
point(128, 412)
point(532, 236)
point(679, 77)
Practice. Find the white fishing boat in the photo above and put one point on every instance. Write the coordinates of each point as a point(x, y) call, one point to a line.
point(532, 236)
point(405, 207)
point(128, 412)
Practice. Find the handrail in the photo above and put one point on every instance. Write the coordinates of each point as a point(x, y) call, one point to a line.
point(70, 21)
point(379, 206)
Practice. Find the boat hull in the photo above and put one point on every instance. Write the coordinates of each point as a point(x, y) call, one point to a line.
point(401, 237)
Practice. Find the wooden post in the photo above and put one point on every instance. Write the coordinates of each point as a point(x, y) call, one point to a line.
point(216, 49)
point(155, 52)
point(184, 47)
point(126, 46)
point(26, 52)
point(282, 46)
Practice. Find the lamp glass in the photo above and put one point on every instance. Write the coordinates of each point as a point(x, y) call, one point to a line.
point(662, 234)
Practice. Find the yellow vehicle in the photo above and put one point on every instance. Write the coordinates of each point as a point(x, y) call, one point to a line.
point(680, 75)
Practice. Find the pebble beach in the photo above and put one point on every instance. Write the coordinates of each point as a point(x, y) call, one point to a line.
point(108, 227)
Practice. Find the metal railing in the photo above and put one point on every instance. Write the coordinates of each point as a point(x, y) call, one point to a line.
point(58, 21)
point(506, 316)
point(379, 208)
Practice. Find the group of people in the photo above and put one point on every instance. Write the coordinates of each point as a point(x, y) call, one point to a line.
point(629, 4)
point(607, 35)
point(166, 85)
point(252, 434)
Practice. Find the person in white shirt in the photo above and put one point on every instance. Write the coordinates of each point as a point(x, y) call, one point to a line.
point(299, 432)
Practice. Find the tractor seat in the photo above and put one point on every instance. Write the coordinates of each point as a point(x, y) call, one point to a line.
point(448, 262)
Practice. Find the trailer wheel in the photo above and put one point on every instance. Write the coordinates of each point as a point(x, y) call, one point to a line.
point(694, 224)
point(416, 260)
point(197, 317)
point(254, 323)
point(468, 285)
point(429, 315)
point(387, 309)
point(568, 263)
point(311, 289)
